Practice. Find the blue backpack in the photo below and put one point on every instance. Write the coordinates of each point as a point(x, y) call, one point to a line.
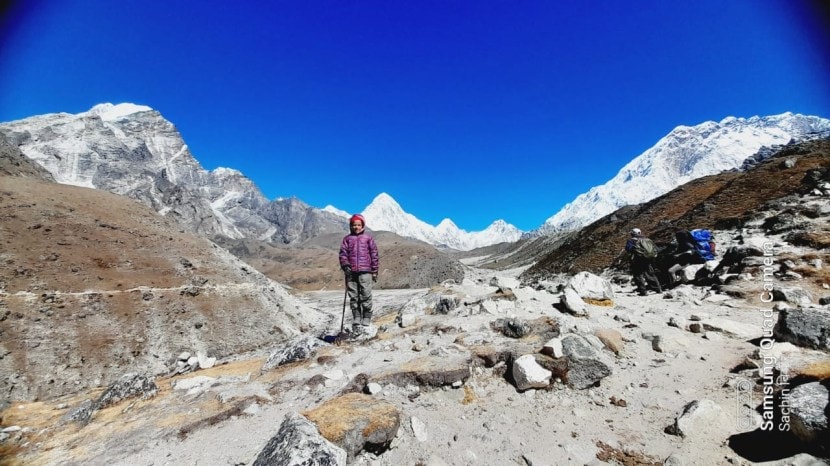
point(704, 243)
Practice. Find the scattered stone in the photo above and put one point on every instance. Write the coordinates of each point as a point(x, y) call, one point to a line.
point(806, 327)
point(357, 422)
point(527, 373)
point(191, 383)
point(296, 351)
point(696, 327)
point(669, 343)
point(553, 348)
point(611, 339)
point(446, 304)
point(407, 320)
point(573, 303)
point(513, 328)
point(373, 388)
point(699, 419)
point(808, 413)
point(433, 370)
point(588, 285)
point(419, 429)
point(299, 442)
point(204, 361)
point(586, 364)
point(618, 402)
point(128, 386)
point(731, 327)
point(794, 295)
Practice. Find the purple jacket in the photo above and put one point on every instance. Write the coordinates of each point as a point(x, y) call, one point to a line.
point(359, 252)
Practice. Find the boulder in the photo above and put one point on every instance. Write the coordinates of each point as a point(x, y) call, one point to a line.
point(299, 442)
point(588, 285)
point(573, 303)
point(808, 413)
point(700, 418)
point(586, 364)
point(527, 373)
point(356, 422)
point(298, 350)
point(808, 328)
point(792, 295)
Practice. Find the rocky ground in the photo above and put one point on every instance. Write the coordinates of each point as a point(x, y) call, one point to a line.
point(126, 340)
point(441, 382)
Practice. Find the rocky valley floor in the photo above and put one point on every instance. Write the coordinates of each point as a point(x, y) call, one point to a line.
point(440, 369)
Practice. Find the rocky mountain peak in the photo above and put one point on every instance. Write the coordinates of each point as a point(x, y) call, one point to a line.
point(111, 112)
point(132, 150)
point(686, 153)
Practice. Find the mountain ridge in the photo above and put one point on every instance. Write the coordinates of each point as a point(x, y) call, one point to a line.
point(686, 153)
point(133, 150)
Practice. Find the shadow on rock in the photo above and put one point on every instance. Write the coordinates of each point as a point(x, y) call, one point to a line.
point(761, 446)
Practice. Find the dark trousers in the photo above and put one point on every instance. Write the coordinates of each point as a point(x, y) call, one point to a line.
point(359, 286)
point(643, 271)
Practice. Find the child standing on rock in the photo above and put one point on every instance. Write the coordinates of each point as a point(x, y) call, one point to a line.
point(359, 262)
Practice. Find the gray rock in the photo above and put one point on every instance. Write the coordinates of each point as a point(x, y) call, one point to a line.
point(700, 418)
point(356, 422)
point(296, 351)
point(527, 373)
point(588, 285)
point(586, 364)
point(808, 412)
point(419, 429)
point(298, 442)
point(128, 386)
point(513, 328)
point(446, 304)
point(808, 328)
point(553, 348)
point(793, 295)
point(573, 303)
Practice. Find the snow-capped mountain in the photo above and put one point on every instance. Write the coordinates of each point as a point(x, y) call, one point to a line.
point(685, 154)
point(133, 151)
point(385, 214)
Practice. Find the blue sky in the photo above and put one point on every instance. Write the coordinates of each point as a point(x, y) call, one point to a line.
point(472, 110)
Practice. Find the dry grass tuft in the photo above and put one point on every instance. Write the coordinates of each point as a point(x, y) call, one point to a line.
point(613, 455)
point(599, 302)
point(469, 395)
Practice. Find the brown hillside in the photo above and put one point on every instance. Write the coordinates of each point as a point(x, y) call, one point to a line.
point(94, 285)
point(313, 265)
point(726, 200)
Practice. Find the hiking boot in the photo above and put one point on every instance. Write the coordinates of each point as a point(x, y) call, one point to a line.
point(357, 330)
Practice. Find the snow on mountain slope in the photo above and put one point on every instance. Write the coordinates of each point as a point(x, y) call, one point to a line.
point(684, 154)
point(132, 150)
point(384, 213)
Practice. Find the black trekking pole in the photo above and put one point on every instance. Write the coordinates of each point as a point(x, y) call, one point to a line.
point(345, 294)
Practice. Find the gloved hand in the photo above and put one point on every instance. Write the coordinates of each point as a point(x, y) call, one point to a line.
point(347, 269)
point(375, 277)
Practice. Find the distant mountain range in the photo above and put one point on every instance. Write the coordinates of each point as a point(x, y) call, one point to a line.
point(384, 213)
point(685, 154)
point(132, 150)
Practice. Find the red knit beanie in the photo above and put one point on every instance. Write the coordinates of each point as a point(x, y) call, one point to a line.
point(357, 217)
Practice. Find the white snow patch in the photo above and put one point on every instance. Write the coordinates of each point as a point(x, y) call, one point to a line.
point(110, 112)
